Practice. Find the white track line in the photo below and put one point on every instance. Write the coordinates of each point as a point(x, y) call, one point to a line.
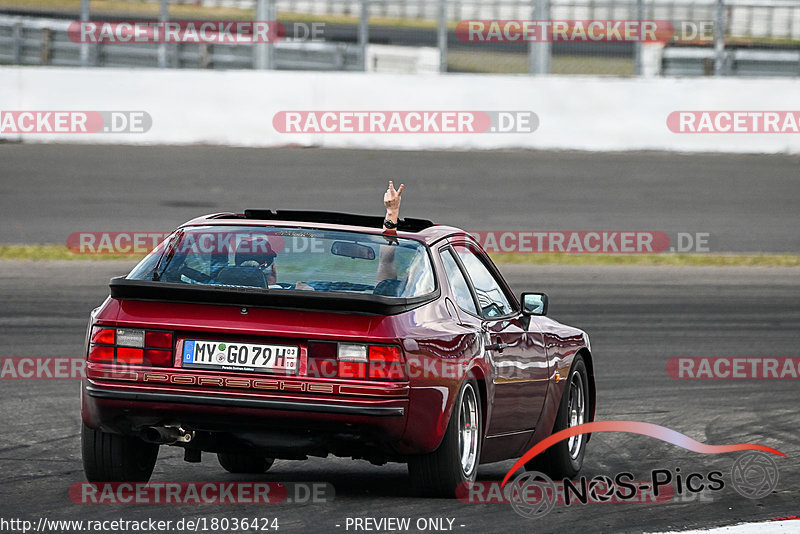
point(767, 527)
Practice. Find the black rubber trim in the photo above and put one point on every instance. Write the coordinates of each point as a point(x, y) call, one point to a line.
point(208, 400)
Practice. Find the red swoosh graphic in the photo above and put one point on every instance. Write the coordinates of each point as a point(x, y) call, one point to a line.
point(635, 427)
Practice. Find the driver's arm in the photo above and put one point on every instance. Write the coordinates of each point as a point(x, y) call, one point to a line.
point(387, 270)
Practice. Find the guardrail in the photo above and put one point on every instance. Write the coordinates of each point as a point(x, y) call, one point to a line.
point(36, 41)
point(27, 40)
point(745, 18)
point(699, 61)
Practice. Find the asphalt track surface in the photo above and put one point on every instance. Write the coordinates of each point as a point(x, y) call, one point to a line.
point(637, 317)
point(747, 203)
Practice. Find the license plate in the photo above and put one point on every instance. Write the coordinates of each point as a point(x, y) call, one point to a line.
point(240, 356)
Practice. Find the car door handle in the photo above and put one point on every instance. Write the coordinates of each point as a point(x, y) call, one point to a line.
point(497, 346)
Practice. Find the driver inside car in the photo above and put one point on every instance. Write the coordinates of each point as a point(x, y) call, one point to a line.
point(264, 262)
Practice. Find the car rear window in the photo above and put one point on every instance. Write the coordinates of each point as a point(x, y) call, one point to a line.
point(291, 259)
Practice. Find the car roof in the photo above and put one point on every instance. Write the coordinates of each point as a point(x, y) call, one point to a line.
point(418, 229)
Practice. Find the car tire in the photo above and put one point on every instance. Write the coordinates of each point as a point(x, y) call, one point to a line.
point(455, 462)
point(565, 458)
point(244, 463)
point(116, 458)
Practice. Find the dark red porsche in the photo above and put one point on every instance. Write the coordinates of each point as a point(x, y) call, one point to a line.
point(289, 334)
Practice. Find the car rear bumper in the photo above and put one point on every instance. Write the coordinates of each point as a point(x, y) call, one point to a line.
point(96, 391)
point(285, 424)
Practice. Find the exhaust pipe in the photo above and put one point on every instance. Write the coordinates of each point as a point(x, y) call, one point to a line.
point(166, 435)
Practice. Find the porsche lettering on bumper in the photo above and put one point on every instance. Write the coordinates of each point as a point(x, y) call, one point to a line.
point(257, 383)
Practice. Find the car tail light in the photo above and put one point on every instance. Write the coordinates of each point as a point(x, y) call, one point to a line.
point(355, 360)
point(160, 340)
point(322, 368)
point(131, 346)
point(322, 362)
point(130, 356)
point(386, 362)
point(352, 370)
point(106, 336)
point(99, 353)
point(159, 358)
point(385, 353)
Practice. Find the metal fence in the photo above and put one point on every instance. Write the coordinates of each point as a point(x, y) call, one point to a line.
point(778, 19)
point(775, 18)
point(40, 41)
point(743, 37)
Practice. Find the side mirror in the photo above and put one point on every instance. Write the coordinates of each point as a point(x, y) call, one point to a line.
point(534, 303)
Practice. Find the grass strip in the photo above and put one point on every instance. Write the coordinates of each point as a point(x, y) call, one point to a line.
point(670, 259)
point(56, 252)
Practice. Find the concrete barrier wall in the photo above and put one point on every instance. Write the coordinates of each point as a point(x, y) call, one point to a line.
point(237, 107)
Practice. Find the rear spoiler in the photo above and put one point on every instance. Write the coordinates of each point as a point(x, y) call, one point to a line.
point(328, 301)
point(333, 217)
